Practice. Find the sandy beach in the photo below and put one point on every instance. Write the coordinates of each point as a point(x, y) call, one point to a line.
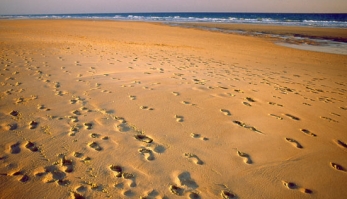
point(106, 109)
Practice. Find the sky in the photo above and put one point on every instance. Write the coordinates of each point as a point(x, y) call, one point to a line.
point(124, 6)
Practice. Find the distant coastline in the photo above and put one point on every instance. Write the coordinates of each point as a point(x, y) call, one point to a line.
point(333, 20)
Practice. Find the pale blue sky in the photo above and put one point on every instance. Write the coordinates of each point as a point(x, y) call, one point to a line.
point(119, 6)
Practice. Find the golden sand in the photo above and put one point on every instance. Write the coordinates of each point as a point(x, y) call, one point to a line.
point(104, 109)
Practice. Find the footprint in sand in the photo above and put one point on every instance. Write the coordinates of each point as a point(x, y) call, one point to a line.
point(294, 143)
point(132, 97)
point(146, 108)
point(15, 148)
point(75, 195)
point(118, 171)
point(130, 177)
point(14, 113)
point(33, 125)
point(341, 144)
point(246, 103)
point(122, 127)
point(11, 127)
point(244, 125)
point(78, 154)
point(225, 112)
point(143, 138)
point(147, 153)
point(176, 190)
point(179, 118)
point(292, 185)
point(276, 116)
point(337, 166)
point(95, 146)
point(289, 185)
point(195, 135)
point(68, 164)
point(194, 158)
point(88, 125)
point(176, 93)
point(193, 195)
point(31, 146)
point(24, 179)
point(245, 156)
point(307, 132)
point(227, 195)
point(292, 117)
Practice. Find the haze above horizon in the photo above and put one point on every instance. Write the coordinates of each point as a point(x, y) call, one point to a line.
point(12, 7)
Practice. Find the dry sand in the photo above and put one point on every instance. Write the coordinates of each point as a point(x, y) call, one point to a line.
point(103, 109)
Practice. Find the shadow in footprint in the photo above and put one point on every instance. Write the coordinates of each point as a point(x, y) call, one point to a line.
point(294, 143)
point(31, 146)
point(14, 148)
point(227, 195)
point(143, 138)
point(337, 166)
point(194, 158)
point(147, 153)
point(245, 156)
point(176, 190)
point(95, 146)
point(292, 117)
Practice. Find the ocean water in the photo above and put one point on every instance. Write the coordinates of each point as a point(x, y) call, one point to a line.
point(287, 19)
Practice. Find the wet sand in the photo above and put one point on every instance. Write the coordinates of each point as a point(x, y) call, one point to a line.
point(104, 109)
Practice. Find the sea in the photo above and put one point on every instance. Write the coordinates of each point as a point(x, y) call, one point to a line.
point(287, 19)
point(327, 20)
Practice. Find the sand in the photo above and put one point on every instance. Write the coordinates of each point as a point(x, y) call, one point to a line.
point(104, 109)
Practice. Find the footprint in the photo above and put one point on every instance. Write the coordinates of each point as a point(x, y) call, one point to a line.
point(24, 178)
point(67, 163)
point(176, 190)
point(294, 143)
point(75, 195)
point(11, 127)
point(179, 118)
point(33, 125)
point(227, 195)
point(307, 132)
point(246, 157)
point(337, 166)
point(122, 127)
point(289, 185)
point(244, 125)
point(250, 99)
point(246, 103)
point(117, 169)
point(276, 116)
point(132, 97)
point(147, 153)
point(292, 117)
point(194, 135)
point(176, 93)
point(14, 113)
point(341, 143)
point(14, 148)
point(95, 146)
point(194, 158)
point(88, 125)
point(193, 195)
point(143, 138)
point(225, 112)
point(78, 154)
point(31, 146)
